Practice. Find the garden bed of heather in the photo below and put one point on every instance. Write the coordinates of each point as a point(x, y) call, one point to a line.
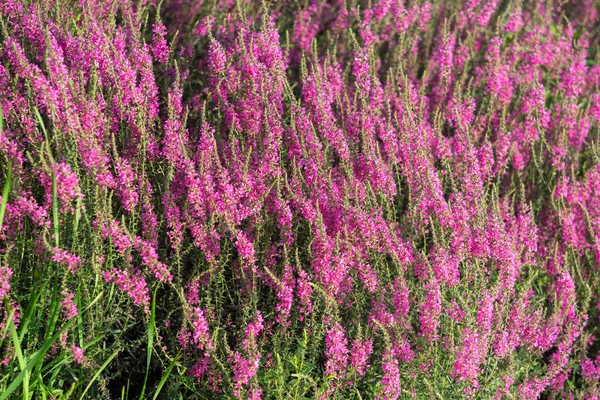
point(299, 199)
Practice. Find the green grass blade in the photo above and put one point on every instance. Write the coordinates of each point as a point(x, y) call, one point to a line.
point(34, 297)
point(5, 192)
point(54, 314)
point(151, 329)
point(97, 374)
point(92, 342)
point(76, 222)
point(41, 122)
point(54, 195)
point(36, 358)
point(165, 377)
point(20, 358)
point(79, 316)
point(7, 325)
point(54, 309)
point(92, 302)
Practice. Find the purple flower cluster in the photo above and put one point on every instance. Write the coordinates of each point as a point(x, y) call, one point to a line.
point(382, 197)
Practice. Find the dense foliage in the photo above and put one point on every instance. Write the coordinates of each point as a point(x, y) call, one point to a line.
point(299, 199)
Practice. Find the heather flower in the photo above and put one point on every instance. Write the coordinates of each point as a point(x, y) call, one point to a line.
point(132, 284)
point(499, 83)
point(455, 312)
point(204, 26)
point(401, 301)
point(431, 168)
point(483, 17)
point(446, 55)
point(5, 274)
point(361, 71)
point(306, 27)
point(359, 356)
point(380, 316)
point(201, 368)
point(78, 354)
point(160, 50)
point(390, 383)
point(304, 291)
point(515, 21)
point(285, 296)
point(244, 370)
point(431, 311)
point(150, 260)
point(67, 259)
point(590, 369)
point(255, 327)
point(445, 266)
point(126, 185)
point(26, 205)
point(114, 231)
point(67, 185)
point(201, 336)
point(402, 349)
point(469, 358)
point(485, 313)
point(68, 305)
point(245, 248)
point(336, 351)
point(254, 393)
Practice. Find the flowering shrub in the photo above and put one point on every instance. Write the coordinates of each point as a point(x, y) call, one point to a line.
point(343, 199)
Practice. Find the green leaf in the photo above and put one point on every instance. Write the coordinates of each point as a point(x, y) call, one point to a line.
point(5, 191)
point(36, 358)
point(150, 332)
point(20, 358)
point(97, 374)
point(165, 377)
